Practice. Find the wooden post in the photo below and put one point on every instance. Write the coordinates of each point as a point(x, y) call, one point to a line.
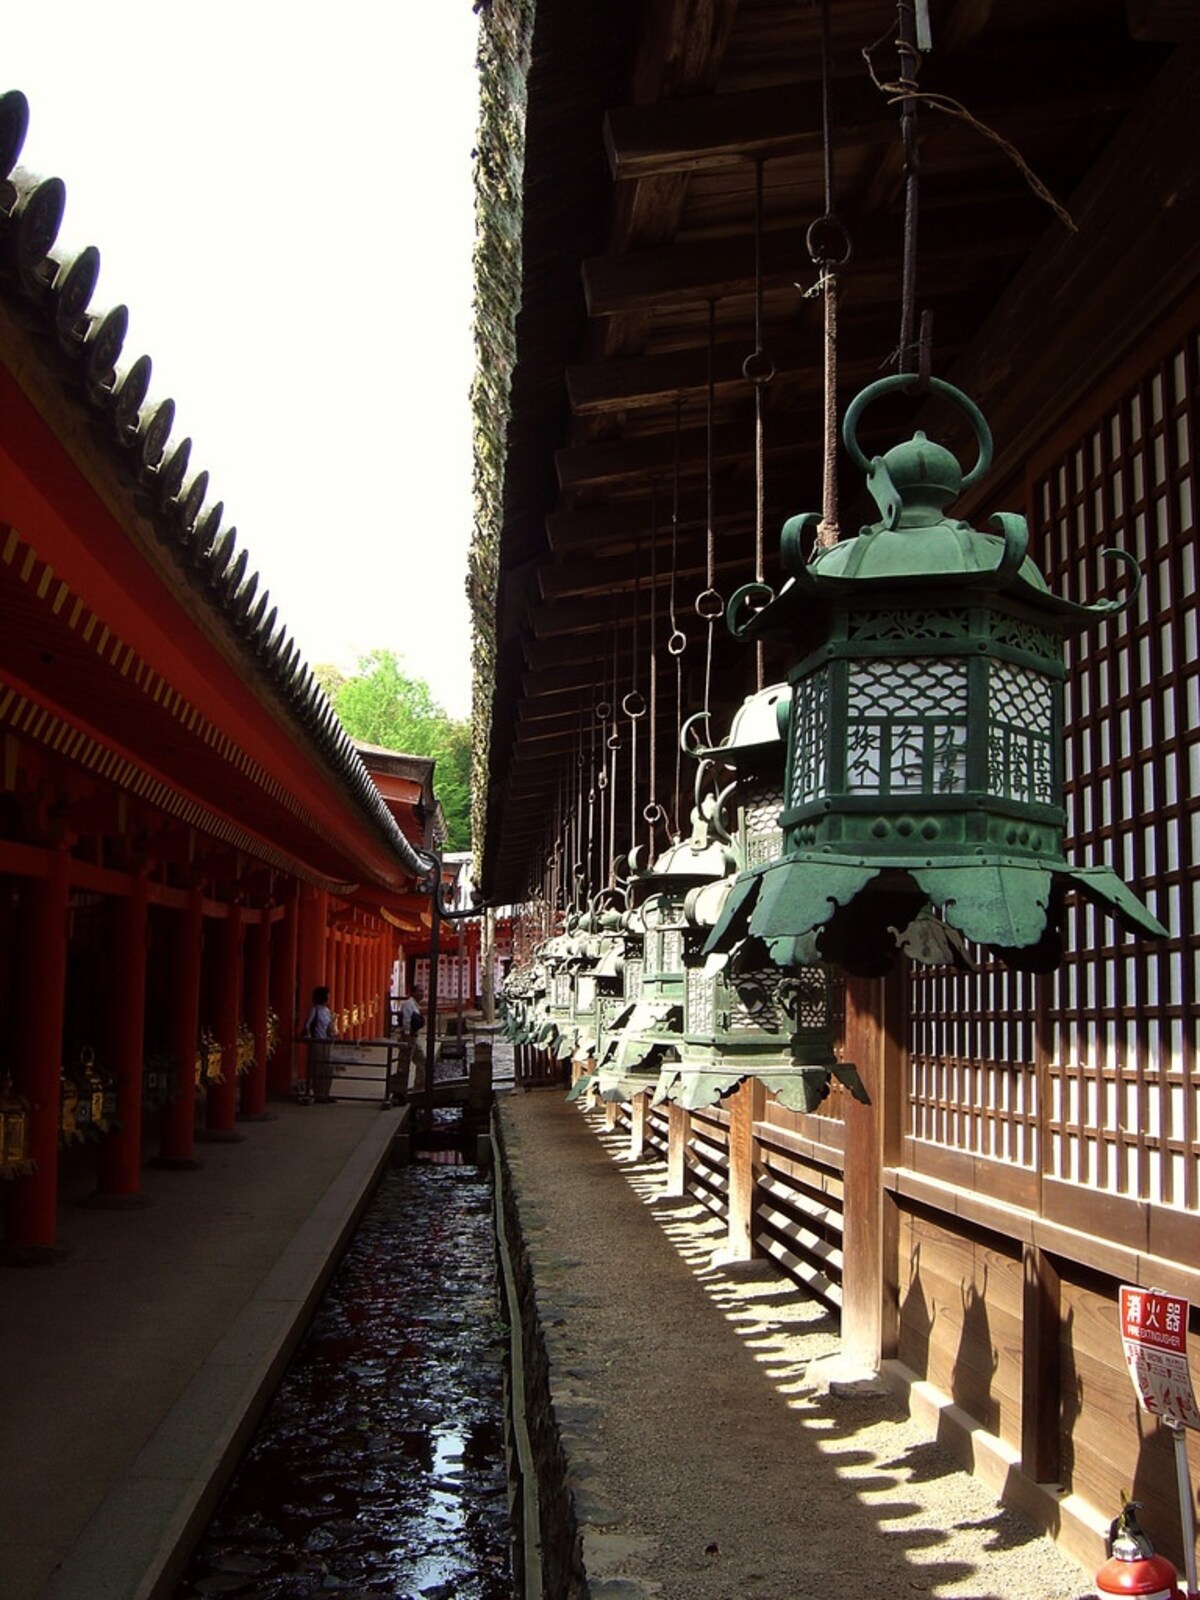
point(177, 1140)
point(487, 966)
point(1041, 1374)
point(679, 1127)
point(312, 955)
point(258, 988)
point(284, 957)
point(221, 1098)
point(746, 1107)
point(612, 1113)
point(33, 1201)
point(121, 1148)
point(639, 1111)
point(876, 1032)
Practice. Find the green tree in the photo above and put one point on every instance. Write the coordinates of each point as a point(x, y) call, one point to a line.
point(380, 704)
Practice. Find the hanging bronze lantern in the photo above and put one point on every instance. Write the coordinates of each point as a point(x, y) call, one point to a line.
point(647, 1033)
point(924, 754)
point(744, 1015)
point(15, 1160)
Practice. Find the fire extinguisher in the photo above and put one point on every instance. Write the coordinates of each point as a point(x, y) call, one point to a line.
point(1133, 1568)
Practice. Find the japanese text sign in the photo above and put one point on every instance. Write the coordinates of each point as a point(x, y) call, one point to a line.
point(1154, 1330)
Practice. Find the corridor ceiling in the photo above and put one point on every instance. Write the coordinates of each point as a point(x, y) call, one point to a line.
point(648, 125)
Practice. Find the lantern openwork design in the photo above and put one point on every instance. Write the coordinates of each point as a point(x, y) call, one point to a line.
point(924, 767)
point(744, 1014)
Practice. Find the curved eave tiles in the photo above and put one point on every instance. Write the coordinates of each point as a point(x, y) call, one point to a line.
point(56, 295)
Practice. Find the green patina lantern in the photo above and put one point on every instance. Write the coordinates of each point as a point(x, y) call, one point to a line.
point(648, 1030)
point(924, 766)
point(744, 1014)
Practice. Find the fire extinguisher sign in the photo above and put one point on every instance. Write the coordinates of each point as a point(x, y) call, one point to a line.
point(1154, 1329)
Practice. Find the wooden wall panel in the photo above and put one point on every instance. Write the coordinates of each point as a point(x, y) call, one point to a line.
point(1108, 1446)
point(960, 1317)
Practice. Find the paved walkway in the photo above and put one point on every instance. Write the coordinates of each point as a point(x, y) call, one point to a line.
point(132, 1372)
point(707, 1453)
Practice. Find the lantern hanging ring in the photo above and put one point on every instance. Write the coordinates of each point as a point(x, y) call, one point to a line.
point(709, 605)
point(677, 642)
point(603, 710)
point(827, 242)
point(653, 813)
point(693, 744)
point(634, 704)
point(905, 381)
point(741, 610)
point(758, 367)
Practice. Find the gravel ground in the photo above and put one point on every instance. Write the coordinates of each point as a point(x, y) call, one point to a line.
point(714, 1464)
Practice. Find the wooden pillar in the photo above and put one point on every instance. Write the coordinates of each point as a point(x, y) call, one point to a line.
point(177, 1134)
point(337, 976)
point(1041, 1367)
point(120, 1163)
point(222, 1096)
point(359, 949)
point(285, 939)
point(313, 955)
point(746, 1106)
point(33, 1201)
point(679, 1127)
point(487, 967)
point(258, 990)
point(876, 1031)
point(639, 1111)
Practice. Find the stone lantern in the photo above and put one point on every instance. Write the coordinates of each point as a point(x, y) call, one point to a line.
point(924, 767)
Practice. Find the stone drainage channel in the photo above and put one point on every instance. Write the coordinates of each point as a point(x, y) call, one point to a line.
point(381, 1467)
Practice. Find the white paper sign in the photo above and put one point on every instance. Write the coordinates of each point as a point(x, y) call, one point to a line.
point(1154, 1329)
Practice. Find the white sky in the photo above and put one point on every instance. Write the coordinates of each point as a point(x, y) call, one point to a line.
point(282, 197)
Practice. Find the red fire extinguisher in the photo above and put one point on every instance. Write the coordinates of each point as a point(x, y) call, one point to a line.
point(1133, 1568)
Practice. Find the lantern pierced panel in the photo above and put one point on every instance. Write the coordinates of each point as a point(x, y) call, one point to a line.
point(760, 823)
point(810, 777)
point(1020, 734)
point(701, 1002)
point(909, 626)
point(908, 730)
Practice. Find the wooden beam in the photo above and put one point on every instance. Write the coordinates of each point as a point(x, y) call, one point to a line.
point(1174, 21)
point(654, 454)
point(730, 130)
point(724, 268)
point(1028, 364)
point(706, 132)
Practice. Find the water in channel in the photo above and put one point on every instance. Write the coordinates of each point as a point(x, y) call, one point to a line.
point(379, 1468)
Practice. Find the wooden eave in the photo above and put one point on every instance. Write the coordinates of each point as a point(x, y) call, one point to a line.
point(136, 640)
point(642, 148)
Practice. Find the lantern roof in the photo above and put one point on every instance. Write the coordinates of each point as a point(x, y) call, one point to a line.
point(914, 545)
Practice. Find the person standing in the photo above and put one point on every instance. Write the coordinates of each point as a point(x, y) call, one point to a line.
point(411, 1019)
point(320, 1031)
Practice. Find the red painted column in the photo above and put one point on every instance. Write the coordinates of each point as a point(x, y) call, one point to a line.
point(121, 1149)
point(358, 986)
point(313, 955)
point(177, 1135)
point(258, 990)
point(222, 1097)
point(285, 938)
point(33, 1204)
point(337, 977)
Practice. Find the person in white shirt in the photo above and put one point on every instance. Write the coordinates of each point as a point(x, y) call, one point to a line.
point(320, 1030)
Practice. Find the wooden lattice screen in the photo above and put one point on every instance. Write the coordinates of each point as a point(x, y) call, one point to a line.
point(1122, 1023)
point(1119, 1101)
